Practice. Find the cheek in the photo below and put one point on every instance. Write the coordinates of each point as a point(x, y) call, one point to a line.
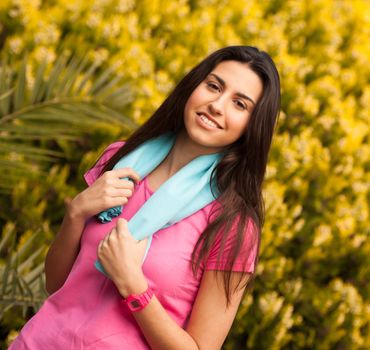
point(195, 99)
point(191, 104)
point(188, 104)
point(238, 122)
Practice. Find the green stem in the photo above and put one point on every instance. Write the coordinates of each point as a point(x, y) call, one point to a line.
point(52, 102)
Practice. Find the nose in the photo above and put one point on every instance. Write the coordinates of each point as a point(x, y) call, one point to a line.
point(216, 107)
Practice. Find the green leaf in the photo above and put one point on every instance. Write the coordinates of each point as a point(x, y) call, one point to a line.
point(20, 90)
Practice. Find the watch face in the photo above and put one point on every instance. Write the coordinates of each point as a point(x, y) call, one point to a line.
point(135, 304)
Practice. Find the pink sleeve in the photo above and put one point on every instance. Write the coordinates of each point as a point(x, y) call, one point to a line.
point(245, 260)
point(92, 174)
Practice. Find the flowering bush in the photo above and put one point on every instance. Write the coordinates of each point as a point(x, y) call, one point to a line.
point(312, 290)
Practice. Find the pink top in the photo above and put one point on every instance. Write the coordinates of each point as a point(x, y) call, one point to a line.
point(87, 312)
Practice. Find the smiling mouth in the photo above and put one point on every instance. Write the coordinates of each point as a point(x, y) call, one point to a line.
point(208, 121)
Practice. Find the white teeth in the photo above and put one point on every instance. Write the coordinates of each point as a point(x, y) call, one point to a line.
point(207, 121)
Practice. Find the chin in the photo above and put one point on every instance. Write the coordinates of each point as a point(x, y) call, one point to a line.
point(198, 136)
point(202, 140)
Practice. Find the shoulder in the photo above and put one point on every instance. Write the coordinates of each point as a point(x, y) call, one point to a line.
point(91, 175)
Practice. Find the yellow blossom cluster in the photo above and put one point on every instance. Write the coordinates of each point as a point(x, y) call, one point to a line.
point(312, 289)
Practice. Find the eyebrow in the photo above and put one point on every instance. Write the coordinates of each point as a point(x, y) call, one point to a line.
point(222, 82)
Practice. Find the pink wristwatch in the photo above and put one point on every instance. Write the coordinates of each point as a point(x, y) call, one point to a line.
point(137, 302)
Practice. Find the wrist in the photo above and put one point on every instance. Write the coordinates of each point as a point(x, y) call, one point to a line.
point(74, 210)
point(138, 286)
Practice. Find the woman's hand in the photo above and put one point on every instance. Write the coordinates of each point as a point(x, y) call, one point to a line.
point(108, 191)
point(122, 256)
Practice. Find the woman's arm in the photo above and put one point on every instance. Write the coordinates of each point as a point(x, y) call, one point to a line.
point(64, 250)
point(209, 323)
point(210, 320)
point(107, 191)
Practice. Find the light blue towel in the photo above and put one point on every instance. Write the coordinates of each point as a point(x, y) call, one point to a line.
point(184, 193)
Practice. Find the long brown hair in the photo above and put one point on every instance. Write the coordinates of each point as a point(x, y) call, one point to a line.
point(241, 171)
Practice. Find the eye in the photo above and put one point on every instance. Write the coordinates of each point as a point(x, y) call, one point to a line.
point(240, 104)
point(212, 86)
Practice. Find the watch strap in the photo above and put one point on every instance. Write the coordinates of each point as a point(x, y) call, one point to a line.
point(137, 302)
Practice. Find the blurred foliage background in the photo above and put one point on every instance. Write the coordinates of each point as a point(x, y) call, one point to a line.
point(78, 75)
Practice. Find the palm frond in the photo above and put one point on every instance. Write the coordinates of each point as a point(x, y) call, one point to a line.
point(21, 277)
point(66, 102)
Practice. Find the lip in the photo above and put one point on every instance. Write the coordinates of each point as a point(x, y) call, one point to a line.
point(204, 125)
point(210, 118)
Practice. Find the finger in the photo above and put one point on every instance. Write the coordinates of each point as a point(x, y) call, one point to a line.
point(112, 232)
point(118, 201)
point(123, 184)
point(127, 172)
point(122, 226)
point(107, 236)
point(121, 193)
point(104, 241)
point(100, 245)
point(112, 194)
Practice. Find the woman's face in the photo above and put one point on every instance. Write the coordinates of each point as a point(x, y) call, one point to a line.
point(217, 112)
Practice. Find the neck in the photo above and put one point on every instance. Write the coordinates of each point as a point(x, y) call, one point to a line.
point(183, 151)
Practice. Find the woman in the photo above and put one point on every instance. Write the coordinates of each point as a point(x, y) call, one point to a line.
point(227, 105)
